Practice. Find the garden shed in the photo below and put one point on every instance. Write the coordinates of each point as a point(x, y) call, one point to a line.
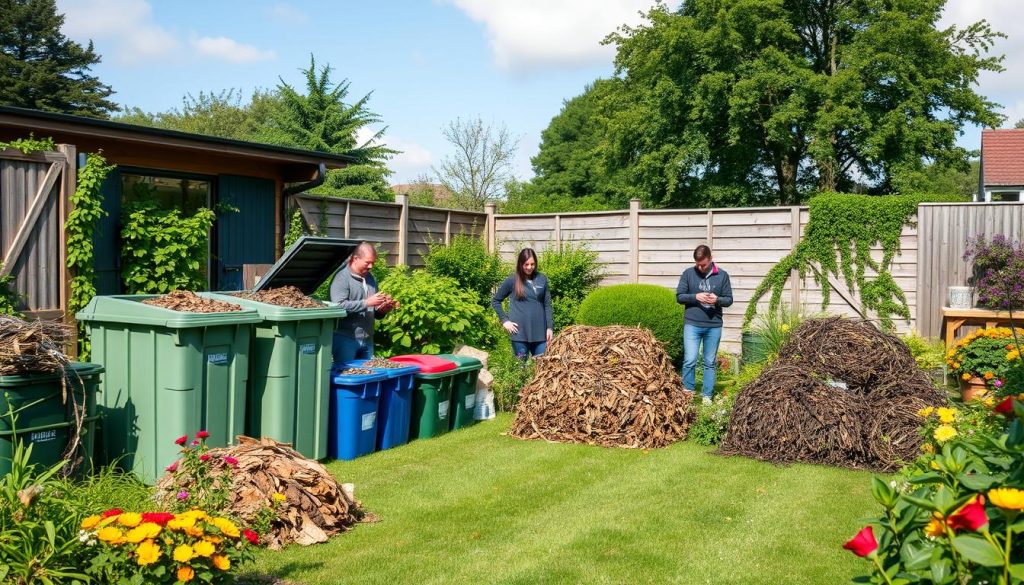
point(247, 184)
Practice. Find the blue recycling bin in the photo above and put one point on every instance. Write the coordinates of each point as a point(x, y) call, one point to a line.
point(352, 428)
point(395, 402)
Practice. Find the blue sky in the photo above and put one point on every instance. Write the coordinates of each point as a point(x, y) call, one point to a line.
point(511, 62)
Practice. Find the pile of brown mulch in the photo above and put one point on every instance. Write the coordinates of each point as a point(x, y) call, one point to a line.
point(32, 347)
point(610, 386)
point(384, 364)
point(841, 393)
point(285, 296)
point(189, 302)
point(315, 505)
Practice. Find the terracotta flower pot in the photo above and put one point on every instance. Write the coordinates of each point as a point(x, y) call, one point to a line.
point(973, 389)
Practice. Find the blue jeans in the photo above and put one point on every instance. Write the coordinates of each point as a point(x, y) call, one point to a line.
point(522, 349)
point(692, 337)
point(345, 349)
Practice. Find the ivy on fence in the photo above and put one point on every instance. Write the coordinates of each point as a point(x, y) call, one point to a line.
point(29, 145)
point(86, 211)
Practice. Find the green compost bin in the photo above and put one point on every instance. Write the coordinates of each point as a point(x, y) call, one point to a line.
point(43, 412)
point(168, 374)
point(290, 356)
point(467, 370)
point(431, 395)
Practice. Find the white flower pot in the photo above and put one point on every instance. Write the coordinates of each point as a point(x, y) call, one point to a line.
point(961, 297)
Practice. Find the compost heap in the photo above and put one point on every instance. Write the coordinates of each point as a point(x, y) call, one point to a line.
point(841, 393)
point(285, 296)
point(609, 386)
point(32, 347)
point(315, 506)
point(189, 302)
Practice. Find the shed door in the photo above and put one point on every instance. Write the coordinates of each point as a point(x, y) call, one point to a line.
point(245, 236)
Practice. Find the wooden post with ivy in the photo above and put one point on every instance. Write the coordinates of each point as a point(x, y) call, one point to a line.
point(67, 190)
point(794, 274)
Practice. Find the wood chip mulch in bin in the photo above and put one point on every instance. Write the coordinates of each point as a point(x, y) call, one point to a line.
point(285, 296)
point(842, 393)
point(189, 302)
point(610, 386)
point(315, 505)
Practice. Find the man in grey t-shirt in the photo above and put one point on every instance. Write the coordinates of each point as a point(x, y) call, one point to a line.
point(355, 290)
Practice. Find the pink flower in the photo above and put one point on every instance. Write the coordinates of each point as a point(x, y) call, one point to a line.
point(183, 495)
point(111, 512)
point(1005, 407)
point(195, 442)
point(251, 536)
point(998, 383)
point(863, 544)
point(181, 440)
point(172, 467)
point(202, 435)
point(230, 460)
point(204, 457)
point(971, 517)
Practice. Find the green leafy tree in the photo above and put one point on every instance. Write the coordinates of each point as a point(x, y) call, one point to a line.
point(765, 101)
point(481, 162)
point(42, 69)
point(221, 114)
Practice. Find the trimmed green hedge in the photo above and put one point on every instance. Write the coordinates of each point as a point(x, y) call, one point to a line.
point(647, 305)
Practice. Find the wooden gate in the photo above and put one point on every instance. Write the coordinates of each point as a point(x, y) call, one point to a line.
point(35, 193)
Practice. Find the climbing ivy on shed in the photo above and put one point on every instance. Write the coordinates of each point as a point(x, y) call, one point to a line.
point(86, 211)
point(837, 242)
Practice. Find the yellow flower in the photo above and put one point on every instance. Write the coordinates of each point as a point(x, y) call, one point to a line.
point(966, 376)
point(195, 514)
point(194, 531)
point(926, 411)
point(203, 548)
point(143, 531)
point(1007, 498)
point(221, 562)
point(785, 327)
point(90, 522)
point(129, 519)
point(181, 523)
point(946, 415)
point(147, 553)
point(183, 553)
point(227, 527)
point(989, 375)
point(934, 465)
point(956, 365)
point(185, 574)
point(944, 433)
point(928, 448)
point(989, 401)
point(215, 540)
point(936, 527)
point(111, 534)
point(279, 497)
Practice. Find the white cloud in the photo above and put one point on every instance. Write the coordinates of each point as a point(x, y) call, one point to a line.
point(123, 30)
point(1003, 16)
point(413, 161)
point(527, 35)
point(289, 13)
point(229, 50)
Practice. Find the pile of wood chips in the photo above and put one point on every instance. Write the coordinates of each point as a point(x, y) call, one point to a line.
point(32, 347)
point(285, 296)
point(610, 386)
point(315, 506)
point(189, 302)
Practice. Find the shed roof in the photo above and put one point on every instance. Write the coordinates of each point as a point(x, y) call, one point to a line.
point(1002, 156)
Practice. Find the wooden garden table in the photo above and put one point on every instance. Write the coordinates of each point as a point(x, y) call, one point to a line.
point(954, 319)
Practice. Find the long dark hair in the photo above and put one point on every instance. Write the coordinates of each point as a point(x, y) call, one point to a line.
point(524, 255)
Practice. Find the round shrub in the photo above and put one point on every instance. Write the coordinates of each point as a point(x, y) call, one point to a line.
point(650, 306)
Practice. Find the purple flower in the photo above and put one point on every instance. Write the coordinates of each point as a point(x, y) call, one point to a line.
point(998, 383)
point(183, 495)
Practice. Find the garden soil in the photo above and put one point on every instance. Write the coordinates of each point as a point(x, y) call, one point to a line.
point(841, 393)
point(610, 386)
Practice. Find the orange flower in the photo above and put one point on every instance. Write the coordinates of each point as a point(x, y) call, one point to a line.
point(936, 527)
point(90, 522)
point(221, 562)
point(989, 375)
point(185, 574)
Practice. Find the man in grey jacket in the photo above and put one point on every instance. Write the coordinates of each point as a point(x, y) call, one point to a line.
point(355, 290)
point(705, 290)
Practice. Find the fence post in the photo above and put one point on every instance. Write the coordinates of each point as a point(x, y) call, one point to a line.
point(711, 230)
point(634, 240)
point(492, 237)
point(558, 231)
point(403, 229)
point(794, 275)
point(348, 219)
point(448, 229)
point(69, 182)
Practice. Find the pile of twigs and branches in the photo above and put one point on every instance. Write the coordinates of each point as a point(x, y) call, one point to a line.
point(32, 347)
point(610, 386)
point(842, 393)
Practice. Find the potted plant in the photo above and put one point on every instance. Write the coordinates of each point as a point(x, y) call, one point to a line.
point(981, 360)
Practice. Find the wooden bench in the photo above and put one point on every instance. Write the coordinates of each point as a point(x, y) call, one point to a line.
point(954, 319)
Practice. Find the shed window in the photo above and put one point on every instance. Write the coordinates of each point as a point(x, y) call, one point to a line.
point(183, 193)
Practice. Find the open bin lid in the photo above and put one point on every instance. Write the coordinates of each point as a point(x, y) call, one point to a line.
point(310, 261)
point(429, 364)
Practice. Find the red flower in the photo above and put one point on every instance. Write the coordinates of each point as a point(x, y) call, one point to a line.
point(863, 544)
point(204, 457)
point(181, 440)
point(202, 435)
point(251, 536)
point(970, 517)
point(230, 460)
point(112, 512)
point(161, 518)
point(1005, 407)
point(172, 467)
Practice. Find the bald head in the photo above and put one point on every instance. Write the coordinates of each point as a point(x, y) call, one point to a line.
point(362, 259)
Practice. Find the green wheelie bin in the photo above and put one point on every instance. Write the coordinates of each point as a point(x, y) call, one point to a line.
point(467, 370)
point(168, 374)
point(431, 395)
point(290, 356)
point(43, 411)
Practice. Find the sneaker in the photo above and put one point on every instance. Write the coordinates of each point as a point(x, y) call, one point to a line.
point(707, 400)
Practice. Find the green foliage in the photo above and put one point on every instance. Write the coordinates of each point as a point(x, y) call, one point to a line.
point(38, 524)
point(219, 114)
point(437, 313)
point(510, 374)
point(42, 69)
point(79, 229)
point(927, 352)
point(985, 353)
point(162, 251)
point(774, 329)
point(30, 144)
point(523, 197)
point(466, 260)
point(9, 299)
point(712, 420)
point(837, 242)
point(573, 271)
point(644, 305)
point(107, 488)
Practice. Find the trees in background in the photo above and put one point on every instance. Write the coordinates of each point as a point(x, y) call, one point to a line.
point(42, 69)
point(481, 164)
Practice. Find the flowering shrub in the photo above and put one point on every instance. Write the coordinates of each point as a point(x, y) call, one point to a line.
point(197, 481)
point(712, 420)
point(998, 271)
point(959, 520)
point(160, 547)
point(945, 423)
point(986, 353)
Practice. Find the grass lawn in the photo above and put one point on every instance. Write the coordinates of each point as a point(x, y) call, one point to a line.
point(478, 506)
